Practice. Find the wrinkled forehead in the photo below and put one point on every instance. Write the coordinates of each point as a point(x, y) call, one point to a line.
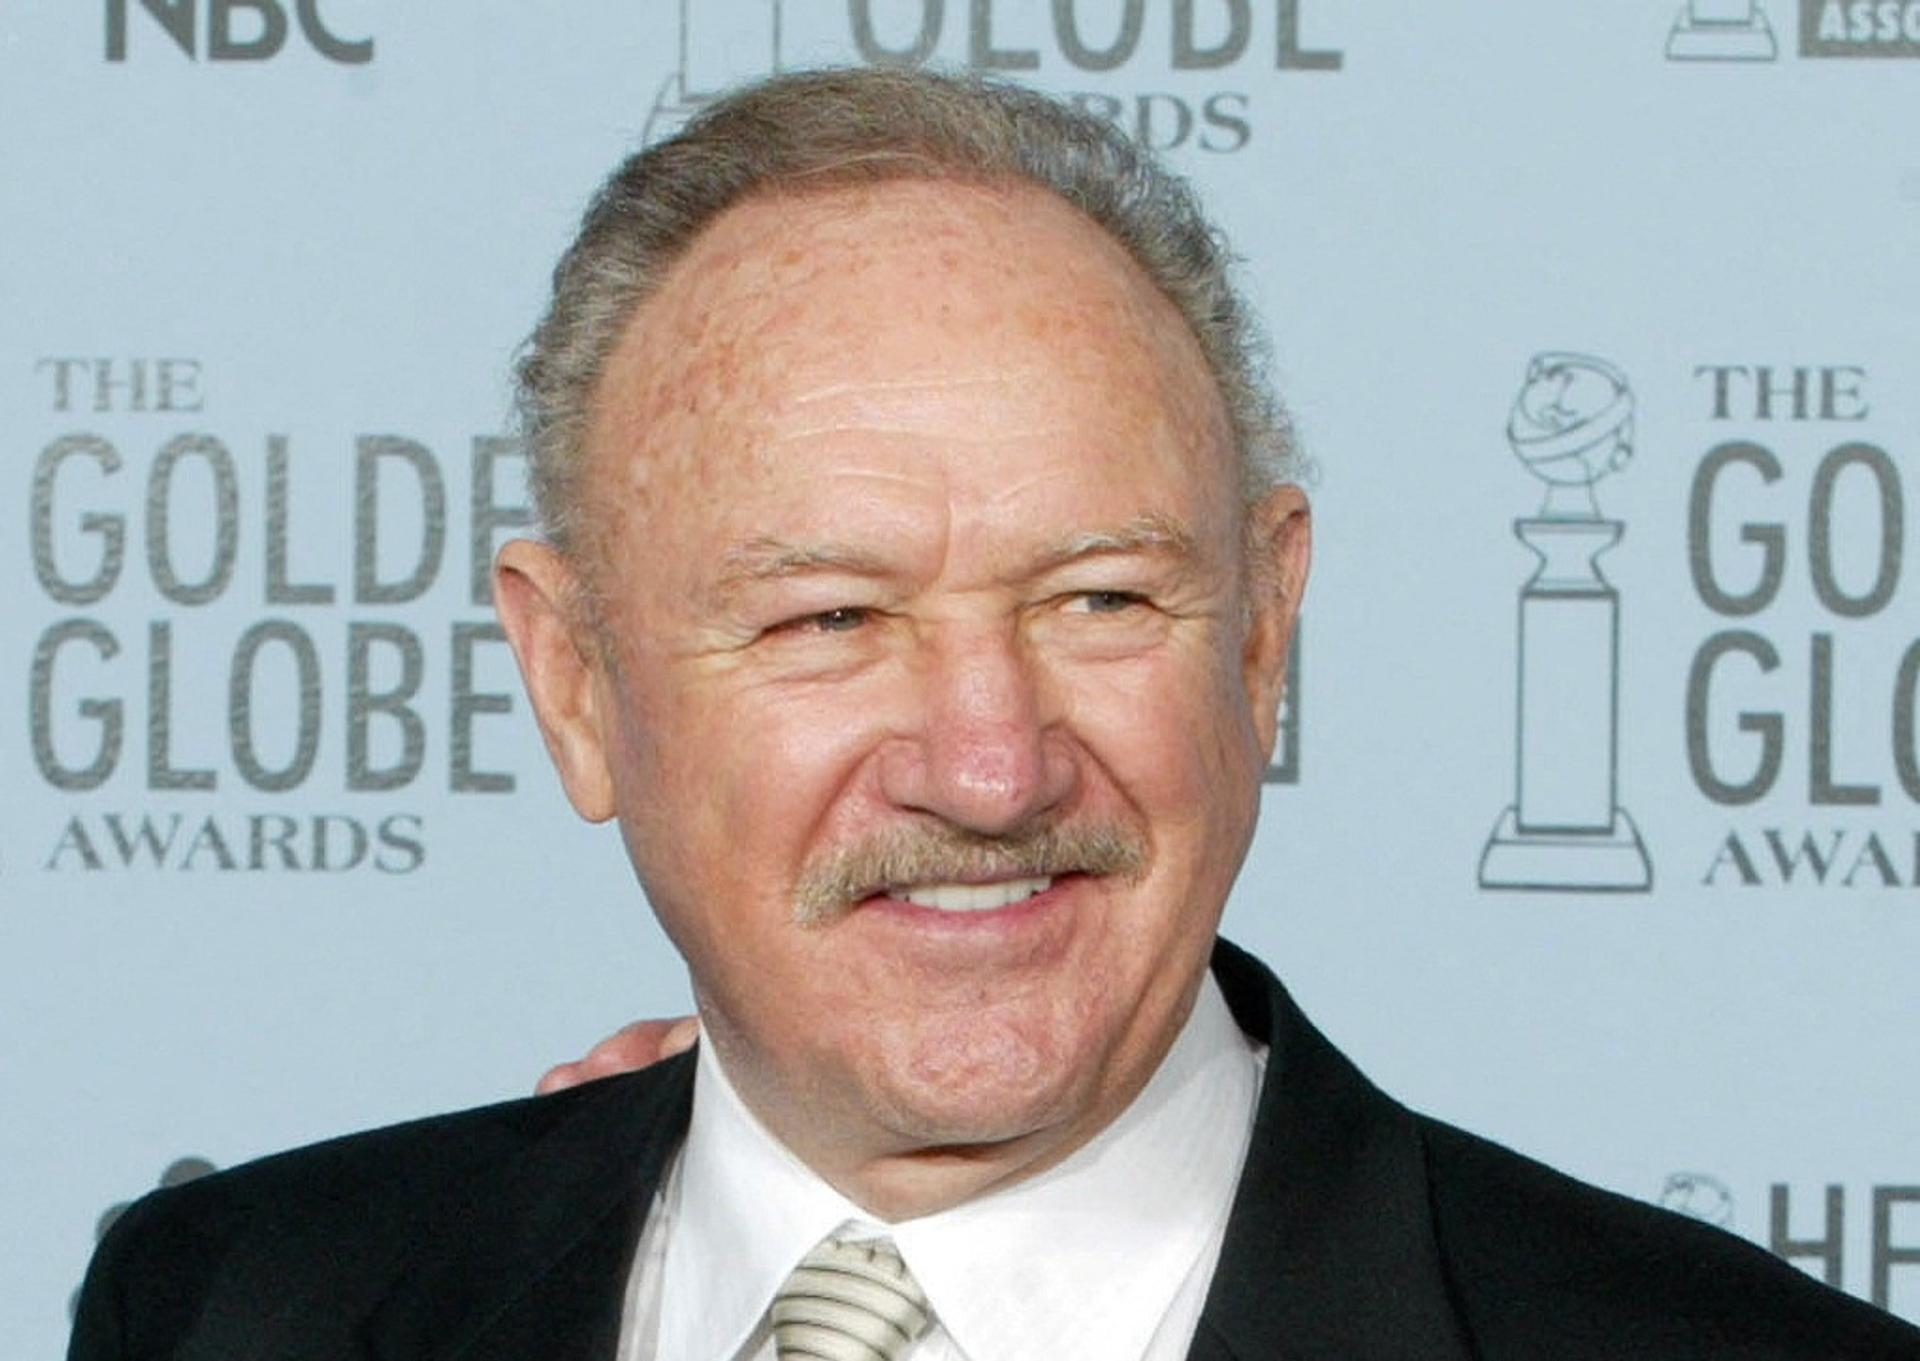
point(909, 302)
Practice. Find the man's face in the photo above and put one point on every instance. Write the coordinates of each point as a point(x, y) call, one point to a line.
point(936, 690)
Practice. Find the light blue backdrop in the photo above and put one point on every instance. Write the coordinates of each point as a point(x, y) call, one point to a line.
point(266, 290)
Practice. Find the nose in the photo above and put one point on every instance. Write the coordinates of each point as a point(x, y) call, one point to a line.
point(984, 752)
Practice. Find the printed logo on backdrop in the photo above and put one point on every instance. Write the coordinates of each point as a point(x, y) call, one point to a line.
point(1860, 28)
point(1285, 768)
point(1698, 1196)
point(1739, 30)
point(1174, 76)
point(1880, 1265)
point(1722, 30)
point(241, 666)
point(1800, 701)
point(235, 30)
point(1571, 426)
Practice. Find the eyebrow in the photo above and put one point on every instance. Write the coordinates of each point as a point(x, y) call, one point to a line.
point(770, 559)
point(1150, 533)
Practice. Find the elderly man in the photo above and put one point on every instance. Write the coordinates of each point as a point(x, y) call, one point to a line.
point(920, 569)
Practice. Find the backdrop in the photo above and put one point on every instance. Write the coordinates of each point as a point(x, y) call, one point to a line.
point(1595, 826)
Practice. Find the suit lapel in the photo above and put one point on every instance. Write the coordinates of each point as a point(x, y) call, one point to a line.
point(533, 1263)
point(1329, 1251)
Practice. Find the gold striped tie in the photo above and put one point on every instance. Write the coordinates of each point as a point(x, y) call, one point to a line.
point(849, 1301)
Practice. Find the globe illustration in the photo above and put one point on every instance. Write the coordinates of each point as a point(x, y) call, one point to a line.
point(1572, 424)
point(1698, 1196)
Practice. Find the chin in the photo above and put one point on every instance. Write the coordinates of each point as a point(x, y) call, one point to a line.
point(959, 1122)
point(981, 1087)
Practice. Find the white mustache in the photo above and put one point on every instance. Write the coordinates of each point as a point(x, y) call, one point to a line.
point(941, 853)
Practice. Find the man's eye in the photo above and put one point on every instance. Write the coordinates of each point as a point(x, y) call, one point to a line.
point(842, 620)
point(1109, 602)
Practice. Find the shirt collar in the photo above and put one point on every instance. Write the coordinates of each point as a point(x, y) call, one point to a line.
point(1080, 1261)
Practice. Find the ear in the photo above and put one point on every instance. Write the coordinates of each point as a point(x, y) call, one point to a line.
point(534, 589)
point(1279, 543)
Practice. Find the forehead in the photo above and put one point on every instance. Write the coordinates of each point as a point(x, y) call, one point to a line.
point(906, 321)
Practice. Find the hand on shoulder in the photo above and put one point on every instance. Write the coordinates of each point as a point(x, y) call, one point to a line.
point(638, 1045)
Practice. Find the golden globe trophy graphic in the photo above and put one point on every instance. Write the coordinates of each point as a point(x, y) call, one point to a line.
point(1285, 766)
point(1698, 1196)
point(1722, 30)
point(722, 43)
point(1572, 425)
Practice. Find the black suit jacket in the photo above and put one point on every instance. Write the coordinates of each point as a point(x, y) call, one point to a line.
point(1359, 1230)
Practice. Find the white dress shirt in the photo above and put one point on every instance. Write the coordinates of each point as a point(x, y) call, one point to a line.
point(1105, 1257)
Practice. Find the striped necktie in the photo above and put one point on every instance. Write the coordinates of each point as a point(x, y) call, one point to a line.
point(849, 1301)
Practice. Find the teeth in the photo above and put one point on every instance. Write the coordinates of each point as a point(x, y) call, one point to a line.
point(972, 897)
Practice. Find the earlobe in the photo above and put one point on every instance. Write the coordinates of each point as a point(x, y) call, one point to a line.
point(1279, 547)
point(533, 590)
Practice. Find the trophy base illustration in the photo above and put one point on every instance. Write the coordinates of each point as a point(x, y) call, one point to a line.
point(1613, 860)
point(1703, 40)
point(670, 112)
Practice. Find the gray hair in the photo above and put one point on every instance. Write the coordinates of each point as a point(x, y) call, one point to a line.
point(833, 128)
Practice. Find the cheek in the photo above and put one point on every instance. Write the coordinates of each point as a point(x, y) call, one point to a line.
point(713, 761)
point(1174, 732)
point(790, 752)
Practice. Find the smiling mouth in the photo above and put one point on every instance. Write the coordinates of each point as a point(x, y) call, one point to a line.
point(970, 897)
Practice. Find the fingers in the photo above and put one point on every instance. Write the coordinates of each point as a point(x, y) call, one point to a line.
point(680, 1036)
point(638, 1045)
